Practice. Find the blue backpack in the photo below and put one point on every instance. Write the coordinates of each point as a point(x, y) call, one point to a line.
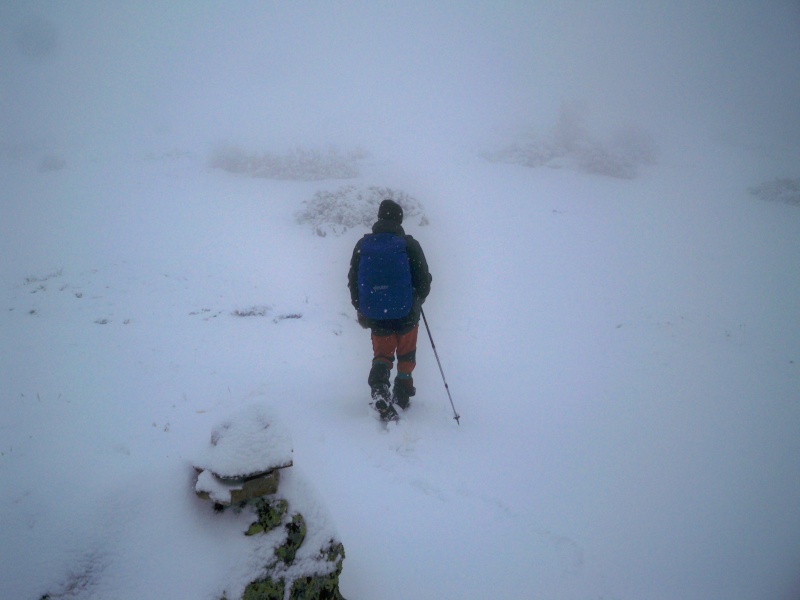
point(384, 277)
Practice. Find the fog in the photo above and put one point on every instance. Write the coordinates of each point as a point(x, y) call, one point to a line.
point(386, 75)
point(627, 353)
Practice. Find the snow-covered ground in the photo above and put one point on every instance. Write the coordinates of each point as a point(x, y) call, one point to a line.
point(624, 353)
point(624, 356)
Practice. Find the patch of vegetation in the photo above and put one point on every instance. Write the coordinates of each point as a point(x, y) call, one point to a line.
point(298, 165)
point(334, 212)
point(280, 318)
point(253, 311)
point(569, 144)
point(30, 280)
point(780, 190)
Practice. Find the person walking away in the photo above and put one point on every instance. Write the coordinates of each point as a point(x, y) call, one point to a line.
point(388, 281)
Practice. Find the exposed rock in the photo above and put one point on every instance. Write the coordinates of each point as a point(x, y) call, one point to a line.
point(295, 534)
point(227, 491)
point(265, 590)
point(270, 515)
point(309, 587)
point(241, 468)
point(243, 458)
point(321, 587)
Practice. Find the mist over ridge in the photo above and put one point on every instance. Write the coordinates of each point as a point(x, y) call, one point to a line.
point(386, 75)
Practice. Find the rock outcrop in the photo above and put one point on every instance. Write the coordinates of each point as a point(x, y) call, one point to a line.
point(301, 558)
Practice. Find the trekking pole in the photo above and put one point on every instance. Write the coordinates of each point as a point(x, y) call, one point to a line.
point(436, 354)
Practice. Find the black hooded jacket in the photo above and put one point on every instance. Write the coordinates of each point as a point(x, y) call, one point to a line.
point(420, 278)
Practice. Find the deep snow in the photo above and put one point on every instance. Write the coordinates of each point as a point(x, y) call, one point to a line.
point(624, 356)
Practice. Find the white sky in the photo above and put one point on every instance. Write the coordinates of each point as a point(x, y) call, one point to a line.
point(367, 72)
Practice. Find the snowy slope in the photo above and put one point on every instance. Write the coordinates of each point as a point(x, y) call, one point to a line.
point(624, 356)
point(623, 352)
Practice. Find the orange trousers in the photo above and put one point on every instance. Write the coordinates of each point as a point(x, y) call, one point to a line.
point(384, 348)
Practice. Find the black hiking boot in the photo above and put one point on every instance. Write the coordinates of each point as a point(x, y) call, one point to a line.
point(378, 381)
point(386, 410)
point(403, 390)
point(379, 385)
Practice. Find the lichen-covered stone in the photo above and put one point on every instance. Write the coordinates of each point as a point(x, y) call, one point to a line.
point(321, 587)
point(334, 553)
point(265, 589)
point(295, 534)
point(308, 587)
point(270, 514)
point(240, 469)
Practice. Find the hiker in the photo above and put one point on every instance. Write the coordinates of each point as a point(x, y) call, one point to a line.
point(389, 281)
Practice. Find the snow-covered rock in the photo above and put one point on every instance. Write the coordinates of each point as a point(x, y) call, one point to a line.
point(232, 491)
point(295, 552)
point(243, 458)
point(249, 443)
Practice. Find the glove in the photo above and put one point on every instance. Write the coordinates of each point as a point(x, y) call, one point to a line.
point(363, 321)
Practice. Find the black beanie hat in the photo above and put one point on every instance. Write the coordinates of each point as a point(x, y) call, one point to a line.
point(391, 211)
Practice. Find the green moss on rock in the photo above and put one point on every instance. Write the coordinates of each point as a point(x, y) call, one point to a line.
point(295, 534)
point(309, 587)
point(265, 589)
point(321, 587)
point(270, 515)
